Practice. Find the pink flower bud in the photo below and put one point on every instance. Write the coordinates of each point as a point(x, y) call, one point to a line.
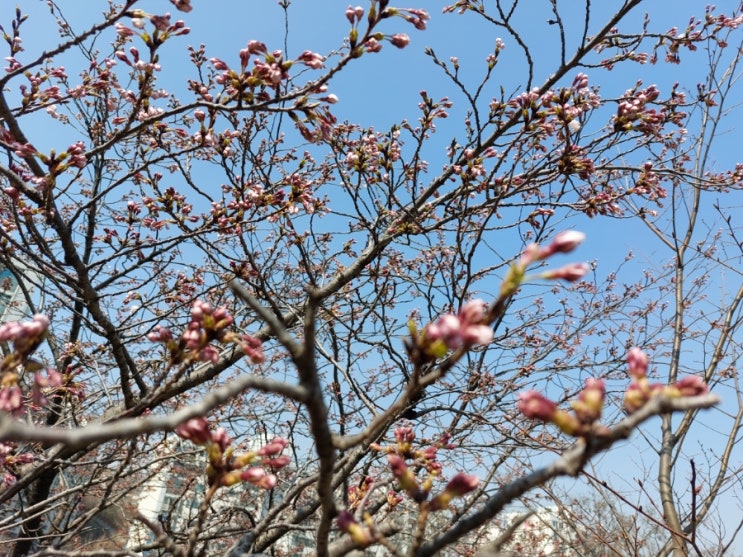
point(361, 535)
point(350, 15)
point(221, 438)
point(590, 401)
point(195, 430)
point(567, 241)
point(274, 447)
point(637, 361)
point(533, 404)
point(461, 484)
point(400, 40)
point(253, 475)
point(277, 462)
point(691, 385)
point(405, 477)
point(570, 273)
point(404, 435)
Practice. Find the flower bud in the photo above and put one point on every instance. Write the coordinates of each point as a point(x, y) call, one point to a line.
point(571, 272)
point(361, 535)
point(533, 404)
point(692, 385)
point(195, 430)
point(637, 361)
point(590, 401)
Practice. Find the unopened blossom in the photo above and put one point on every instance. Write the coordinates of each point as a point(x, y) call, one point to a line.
point(361, 535)
point(312, 59)
point(195, 430)
point(691, 385)
point(11, 400)
point(459, 485)
point(590, 401)
point(637, 361)
point(275, 447)
point(182, 5)
point(564, 242)
point(43, 385)
point(467, 328)
point(373, 45)
point(535, 405)
point(404, 435)
point(405, 477)
point(221, 438)
point(400, 40)
point(571, 272)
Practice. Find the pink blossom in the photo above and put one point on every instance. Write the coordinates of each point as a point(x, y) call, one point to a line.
point(182, 5)
point(637, 361)
point(590, 401)
point(311, 59)
point(535, 405)
point(373, 45)
point(275, 447)
point(571, 272)
point(195, 430)
point(404, 434)
point(400, 40)
point(466, 328)
point(220, 437)
point(564, 242)
point(253, 475)
point(11, 400)
point(461, 484)
point(691, 385)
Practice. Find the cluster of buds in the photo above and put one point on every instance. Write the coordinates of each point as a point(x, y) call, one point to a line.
point(377, 12)
point(564, 242)
point(208, 324)
point(24, 338)
point(587, 408)
point(163, 28)
point(471, 326)
point(465, 329)
point(406, 461)
point(11, 461)
point(225, 468)
point(640, 390)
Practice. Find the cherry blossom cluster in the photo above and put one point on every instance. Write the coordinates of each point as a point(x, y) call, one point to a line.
point(225, 468)
point(451, 332)
point(551, 111)
point(162, 30)
point(470, 327)
point(588, 406)
point(633, 112)
point(207, 325)
point(25, 337)
point(406, 462)
point(564, 242)
point(371, 42)
point(11, 462)
point(587, 409)
point(640, 389)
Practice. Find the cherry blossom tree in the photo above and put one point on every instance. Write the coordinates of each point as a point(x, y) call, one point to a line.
point(313, 336)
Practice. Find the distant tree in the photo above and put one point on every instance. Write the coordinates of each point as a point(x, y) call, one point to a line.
point(322, 337)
